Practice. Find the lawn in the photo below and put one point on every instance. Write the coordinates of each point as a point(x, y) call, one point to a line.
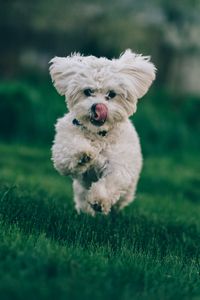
point(149, 251)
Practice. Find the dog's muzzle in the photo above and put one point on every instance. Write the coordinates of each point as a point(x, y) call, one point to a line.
point(99, 114)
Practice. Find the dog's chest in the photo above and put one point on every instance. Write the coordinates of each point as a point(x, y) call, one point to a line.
point(102, 143)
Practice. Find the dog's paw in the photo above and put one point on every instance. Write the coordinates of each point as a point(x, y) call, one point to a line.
point(84, 207)
point(84, 158)
point(75, 164)
point(82, 161)
point(96, 206)
point(98, 199)
point(100, 206)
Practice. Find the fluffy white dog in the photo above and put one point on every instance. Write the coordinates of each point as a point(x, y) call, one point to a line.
point(95, 142)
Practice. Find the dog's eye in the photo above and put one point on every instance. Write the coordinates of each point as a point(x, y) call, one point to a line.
point(111, 94)
point(88, 92)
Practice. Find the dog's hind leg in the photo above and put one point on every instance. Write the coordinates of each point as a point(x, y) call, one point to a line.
point(81, 203)
point(127, 198)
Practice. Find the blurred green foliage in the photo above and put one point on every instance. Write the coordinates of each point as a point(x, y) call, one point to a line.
point(17, 111)
point(28, 112)
point(167, 122)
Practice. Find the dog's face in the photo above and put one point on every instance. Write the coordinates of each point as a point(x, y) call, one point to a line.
point(102, 92)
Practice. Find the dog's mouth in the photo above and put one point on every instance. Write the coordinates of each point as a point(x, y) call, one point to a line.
point(98, 114)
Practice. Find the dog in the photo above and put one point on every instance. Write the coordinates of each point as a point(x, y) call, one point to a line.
point(95, 141)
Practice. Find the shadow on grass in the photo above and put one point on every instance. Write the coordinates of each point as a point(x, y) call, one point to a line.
point(37, 213)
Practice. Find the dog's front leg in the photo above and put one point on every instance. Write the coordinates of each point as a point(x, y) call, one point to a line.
point(104, 193)
point(74, 157)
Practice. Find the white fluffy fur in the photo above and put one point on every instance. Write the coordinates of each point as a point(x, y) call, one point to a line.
point(110, 176)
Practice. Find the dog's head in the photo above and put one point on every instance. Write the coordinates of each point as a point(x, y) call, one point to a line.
point(102, 92)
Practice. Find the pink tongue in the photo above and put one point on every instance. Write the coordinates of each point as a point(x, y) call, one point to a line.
point(101, 112)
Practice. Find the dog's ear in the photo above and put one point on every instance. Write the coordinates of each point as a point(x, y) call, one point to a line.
point(57, 71)
point(63, 69)
point(139, 70)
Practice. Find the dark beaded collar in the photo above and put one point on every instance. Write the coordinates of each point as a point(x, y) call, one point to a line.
point(76, 122)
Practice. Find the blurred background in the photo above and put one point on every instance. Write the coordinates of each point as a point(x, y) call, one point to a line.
point(32, 32)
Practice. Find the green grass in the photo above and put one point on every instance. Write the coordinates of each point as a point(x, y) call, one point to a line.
point(149, 251)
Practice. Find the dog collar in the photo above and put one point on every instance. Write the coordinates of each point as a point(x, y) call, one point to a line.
point(76, 122)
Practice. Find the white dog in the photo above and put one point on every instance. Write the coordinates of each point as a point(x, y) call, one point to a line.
point(95, 142)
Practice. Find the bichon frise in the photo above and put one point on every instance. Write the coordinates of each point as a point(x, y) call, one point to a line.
point(95, 142)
